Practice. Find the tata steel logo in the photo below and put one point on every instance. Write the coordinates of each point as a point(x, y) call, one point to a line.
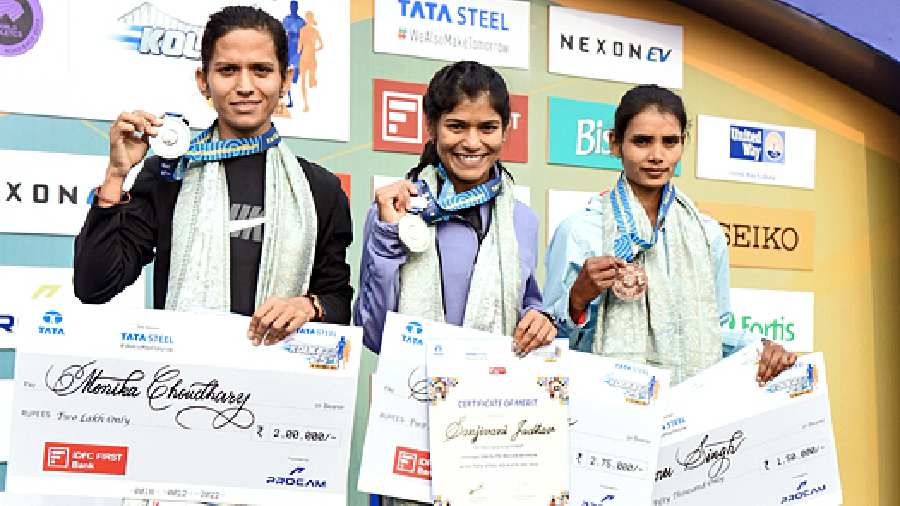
point(151, 31)
point(7, 322)
point(413, 331)
point(142, 337)
point(802, 492)
point(294, 479)
point(53, 320)
point(461, 16)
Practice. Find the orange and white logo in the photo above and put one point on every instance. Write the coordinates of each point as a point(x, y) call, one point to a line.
point(400, 125)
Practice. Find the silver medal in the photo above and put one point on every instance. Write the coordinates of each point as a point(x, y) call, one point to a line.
point(413, 232)
point(172, 139)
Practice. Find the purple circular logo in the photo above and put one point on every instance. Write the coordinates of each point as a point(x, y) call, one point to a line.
point(21, 22)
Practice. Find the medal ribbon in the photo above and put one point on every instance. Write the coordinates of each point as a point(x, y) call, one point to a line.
point(629, 236)
point(204, 149)
point(442, 208)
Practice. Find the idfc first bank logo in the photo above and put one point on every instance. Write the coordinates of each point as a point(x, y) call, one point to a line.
point(148, 30)
point(756, 144)
point(21, 24)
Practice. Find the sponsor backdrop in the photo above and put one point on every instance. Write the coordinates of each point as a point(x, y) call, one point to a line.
point(75, 65)
point(154, 48)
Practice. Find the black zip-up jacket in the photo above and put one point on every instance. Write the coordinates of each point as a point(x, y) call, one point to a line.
point(115, 243)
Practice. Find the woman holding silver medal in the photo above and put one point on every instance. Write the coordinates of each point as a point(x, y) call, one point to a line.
point(622, 287)
point(234, 220)
point(450, 242)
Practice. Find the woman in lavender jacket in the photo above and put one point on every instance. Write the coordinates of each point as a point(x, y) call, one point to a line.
point(471, 260)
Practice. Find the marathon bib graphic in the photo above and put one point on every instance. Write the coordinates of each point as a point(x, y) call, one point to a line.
point(21, 23)
point(757, 144)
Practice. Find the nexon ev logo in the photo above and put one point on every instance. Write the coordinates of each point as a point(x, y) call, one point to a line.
point(154, 32)
point(802, 493)
point(53, 320)
point(413, 331)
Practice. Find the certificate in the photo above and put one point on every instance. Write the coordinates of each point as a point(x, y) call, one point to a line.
point(498, 424)
point(615, 409)
point(181, 406)
point(396, 460)
point(728, 441)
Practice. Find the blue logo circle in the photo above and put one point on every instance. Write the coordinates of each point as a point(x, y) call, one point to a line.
point(53, 317)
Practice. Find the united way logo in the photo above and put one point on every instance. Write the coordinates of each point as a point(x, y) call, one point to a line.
point(21, 23)
point(756, 144)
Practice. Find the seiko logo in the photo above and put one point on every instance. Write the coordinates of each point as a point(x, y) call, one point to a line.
point(802, 493)
point(465, 16)
point(760, 236)
point(146, 338)
point(40, 193)
point(617, 48)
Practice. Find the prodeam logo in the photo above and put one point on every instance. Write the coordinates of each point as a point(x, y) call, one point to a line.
point(21, 24)
point(295, 480)
point(607, 499)
point(802, 492)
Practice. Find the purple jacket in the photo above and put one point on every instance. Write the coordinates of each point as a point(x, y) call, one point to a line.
point(383, 254)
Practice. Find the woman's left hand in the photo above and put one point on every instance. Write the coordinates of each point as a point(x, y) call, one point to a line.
point(278, 317)
point(773, 360)
point(533, 331)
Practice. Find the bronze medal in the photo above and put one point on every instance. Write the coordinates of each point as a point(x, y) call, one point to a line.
point(630, 283)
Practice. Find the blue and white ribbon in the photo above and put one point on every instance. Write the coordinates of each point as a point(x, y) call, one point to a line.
point(623, 246)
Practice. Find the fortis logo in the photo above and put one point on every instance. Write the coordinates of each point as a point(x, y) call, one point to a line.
point(153, 32)
point(292, 480)
point(802, 492)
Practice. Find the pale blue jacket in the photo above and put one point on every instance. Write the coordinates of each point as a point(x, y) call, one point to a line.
point(579, 237)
